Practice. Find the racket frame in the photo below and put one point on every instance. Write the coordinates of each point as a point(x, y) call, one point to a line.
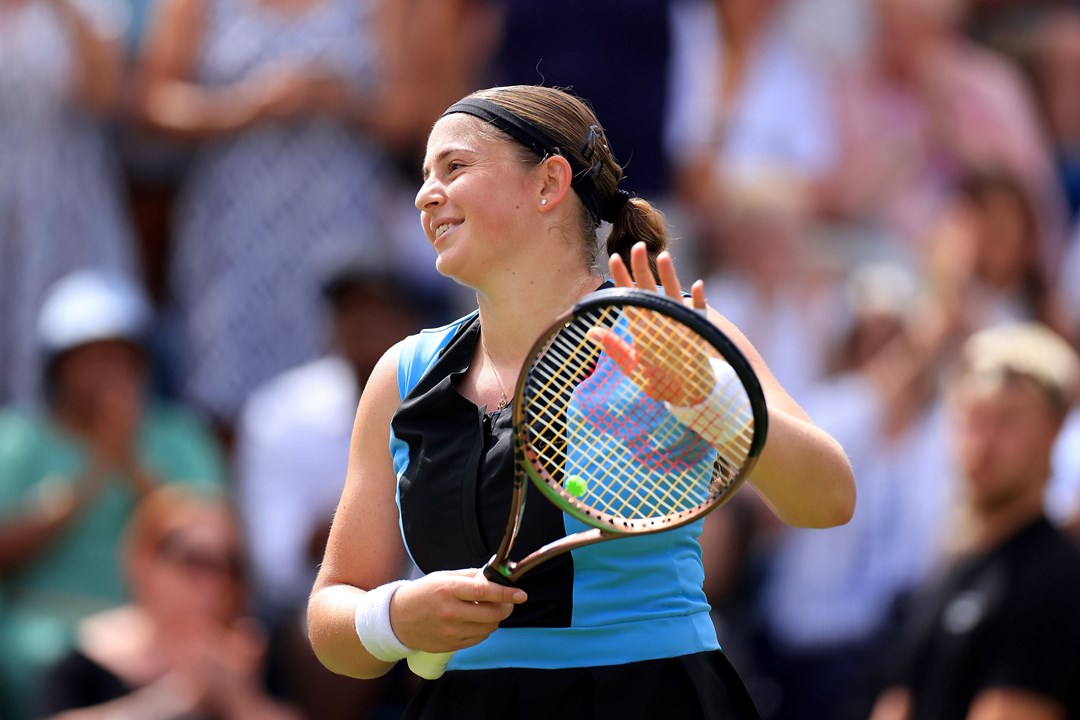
point(500, 568)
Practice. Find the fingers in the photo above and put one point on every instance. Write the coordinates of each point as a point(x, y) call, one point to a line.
point(639, 263)
point(450, 610)
point(619, 274)
point(668, 278)
point(479, 589)
point(697, 296)
point(616, 348)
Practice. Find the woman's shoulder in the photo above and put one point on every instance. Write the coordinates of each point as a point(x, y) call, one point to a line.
point(418, 352)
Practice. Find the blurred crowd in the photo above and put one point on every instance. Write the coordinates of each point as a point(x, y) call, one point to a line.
point(207, 239)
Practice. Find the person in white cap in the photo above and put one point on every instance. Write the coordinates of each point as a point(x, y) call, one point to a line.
point(71, 473)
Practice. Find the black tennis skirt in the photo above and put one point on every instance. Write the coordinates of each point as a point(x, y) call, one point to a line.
point(700, 686)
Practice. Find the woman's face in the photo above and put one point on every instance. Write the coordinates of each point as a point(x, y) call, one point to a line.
point(475, 201)
point(903, 31)
point(1005, 249)
point(195, 571)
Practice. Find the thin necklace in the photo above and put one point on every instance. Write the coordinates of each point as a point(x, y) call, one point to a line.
point(503, 401)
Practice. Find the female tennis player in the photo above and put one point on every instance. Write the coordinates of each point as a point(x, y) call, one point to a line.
point(516, 183)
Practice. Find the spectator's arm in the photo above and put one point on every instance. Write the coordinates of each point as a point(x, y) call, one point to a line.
point(1010, 703)
point(172, 100)
point(98, 60)
point(24, 536)
point(421, 78)
point(893, 704)
point(168, 99)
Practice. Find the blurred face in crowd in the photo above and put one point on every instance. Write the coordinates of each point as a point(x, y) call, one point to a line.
point(367, 322)
point(84, 371)
point(904, 31)
point(1005, 431)
point(1005, 240)
point(193, 572)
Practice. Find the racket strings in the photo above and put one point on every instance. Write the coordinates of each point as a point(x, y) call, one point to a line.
point(645, 498)
point(615, 458)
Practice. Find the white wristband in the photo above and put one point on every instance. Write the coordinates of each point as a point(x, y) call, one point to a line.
point(728, 398)
point(373, 624)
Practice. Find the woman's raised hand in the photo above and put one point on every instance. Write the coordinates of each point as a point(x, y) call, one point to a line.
point(663, 358)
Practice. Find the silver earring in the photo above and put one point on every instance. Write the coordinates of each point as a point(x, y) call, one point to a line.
point(543, 201)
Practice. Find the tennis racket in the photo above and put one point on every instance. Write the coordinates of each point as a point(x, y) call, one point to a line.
point(634, 414)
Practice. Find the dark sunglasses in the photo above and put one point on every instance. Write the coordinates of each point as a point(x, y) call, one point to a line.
point(174, 550)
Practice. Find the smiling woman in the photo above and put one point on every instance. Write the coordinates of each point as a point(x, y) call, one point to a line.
point(517, 181)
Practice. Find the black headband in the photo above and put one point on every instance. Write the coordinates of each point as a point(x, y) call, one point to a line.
point(540, 142)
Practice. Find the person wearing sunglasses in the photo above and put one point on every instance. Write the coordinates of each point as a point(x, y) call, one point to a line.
point(184, 645)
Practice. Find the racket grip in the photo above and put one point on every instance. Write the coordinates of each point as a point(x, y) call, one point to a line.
point(429, 666)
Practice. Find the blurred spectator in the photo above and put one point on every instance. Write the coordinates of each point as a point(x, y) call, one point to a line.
point(293, 451)
point(72, 473)
point(926, 108)
point(431, 76)
point(60, 204)
point(996, 635)
point(827, 595)
point(746, 100)
point(293, 444)
point(287, 101)
point(183, 646)
point(1004, 24)
point(983, 257)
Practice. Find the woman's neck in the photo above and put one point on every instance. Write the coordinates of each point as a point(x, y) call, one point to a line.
point(514, 316)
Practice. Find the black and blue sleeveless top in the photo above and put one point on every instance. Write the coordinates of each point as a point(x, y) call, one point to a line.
point(617, 602)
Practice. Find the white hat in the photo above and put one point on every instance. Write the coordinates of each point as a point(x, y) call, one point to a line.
point(1025, 348)
point(90, 305)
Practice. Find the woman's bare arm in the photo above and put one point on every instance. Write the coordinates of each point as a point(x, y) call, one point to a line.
point(440, 612)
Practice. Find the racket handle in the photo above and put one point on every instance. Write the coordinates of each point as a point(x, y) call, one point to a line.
point(429, 666)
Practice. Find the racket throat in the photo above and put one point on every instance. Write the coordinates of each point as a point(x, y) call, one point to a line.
point(506, 572)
